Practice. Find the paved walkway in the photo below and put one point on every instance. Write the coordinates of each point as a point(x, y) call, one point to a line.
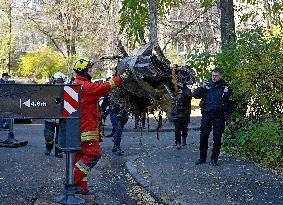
point(172, 177)
point(29, 177)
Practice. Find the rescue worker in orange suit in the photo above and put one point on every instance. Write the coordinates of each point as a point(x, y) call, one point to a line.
point(90, 152)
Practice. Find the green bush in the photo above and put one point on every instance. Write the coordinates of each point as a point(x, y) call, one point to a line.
point(253, 67)
point(42, 64)
point(260, 141)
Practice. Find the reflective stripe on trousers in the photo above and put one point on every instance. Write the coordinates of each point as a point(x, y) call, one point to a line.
point(90, 136)
point(82, 167)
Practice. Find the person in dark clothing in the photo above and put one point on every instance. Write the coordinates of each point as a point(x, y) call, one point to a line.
point(180, 114)
point(118, 118)
point(5, 78)
point(51, 126)
point(5, 123)
point(140, 119)
point(216, 108)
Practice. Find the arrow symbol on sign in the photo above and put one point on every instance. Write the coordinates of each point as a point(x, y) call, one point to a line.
point(27, 103)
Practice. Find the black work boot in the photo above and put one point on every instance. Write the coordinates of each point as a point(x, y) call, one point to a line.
point(58, 153)
point(178, 140)
point(214, 158)
point(202, 159)
point(214, 162)
point(47, 152)
point(178, 145)
point(49, 147)
point(115, 147)
point(184, 141)
point(119, 150)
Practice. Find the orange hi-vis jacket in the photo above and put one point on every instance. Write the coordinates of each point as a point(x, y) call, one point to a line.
point(90, 115)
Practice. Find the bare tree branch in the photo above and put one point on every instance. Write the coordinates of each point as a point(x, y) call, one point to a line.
point(122, 49)
point(160, 53)
point(186, 26)
point(49, 36)
point(115, 57)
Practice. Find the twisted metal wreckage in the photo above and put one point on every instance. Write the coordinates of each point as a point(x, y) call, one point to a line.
point(150, 86)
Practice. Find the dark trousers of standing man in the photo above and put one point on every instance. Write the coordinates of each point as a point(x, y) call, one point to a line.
point(209, 122)
point(181, 131)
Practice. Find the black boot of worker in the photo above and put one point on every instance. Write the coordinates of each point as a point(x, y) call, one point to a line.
point(115, 147)
point(184, 141)
point(58, 153)
point(202, 159)
point(47, 152)
point(178, 145)
point(214, 158)
point(214, 162)
point(119, 150)
point(49, 147)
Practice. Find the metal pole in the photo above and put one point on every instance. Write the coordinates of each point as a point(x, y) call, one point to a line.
point(69, 168)
point(10, 138)
point(68, 197)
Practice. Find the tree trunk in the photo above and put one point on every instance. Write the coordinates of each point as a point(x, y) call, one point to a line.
point(10, 37)
point(153, 20)
point(153, 29)
point(73, 47)
point(267, 14)
point(68, 49)
point(228, 36)
point(227, 22)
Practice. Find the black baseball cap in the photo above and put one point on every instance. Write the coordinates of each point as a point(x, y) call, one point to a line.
point(5, 74)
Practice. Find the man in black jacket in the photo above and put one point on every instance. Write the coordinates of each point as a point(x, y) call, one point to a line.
point(216, 108)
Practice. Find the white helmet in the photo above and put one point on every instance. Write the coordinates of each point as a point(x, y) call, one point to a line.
point(58, 76)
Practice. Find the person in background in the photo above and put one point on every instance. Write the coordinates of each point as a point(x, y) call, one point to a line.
point(51, 126)
point(140, 119)
point(90, 152)
point(119, 118)
point(5, 123)
point(216, 108)
point(180, 114)
point(5, 78)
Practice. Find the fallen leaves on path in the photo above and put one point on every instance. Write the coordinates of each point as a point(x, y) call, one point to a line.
point(139, 194)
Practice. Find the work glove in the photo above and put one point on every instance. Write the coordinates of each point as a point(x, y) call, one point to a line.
point(125, 75)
